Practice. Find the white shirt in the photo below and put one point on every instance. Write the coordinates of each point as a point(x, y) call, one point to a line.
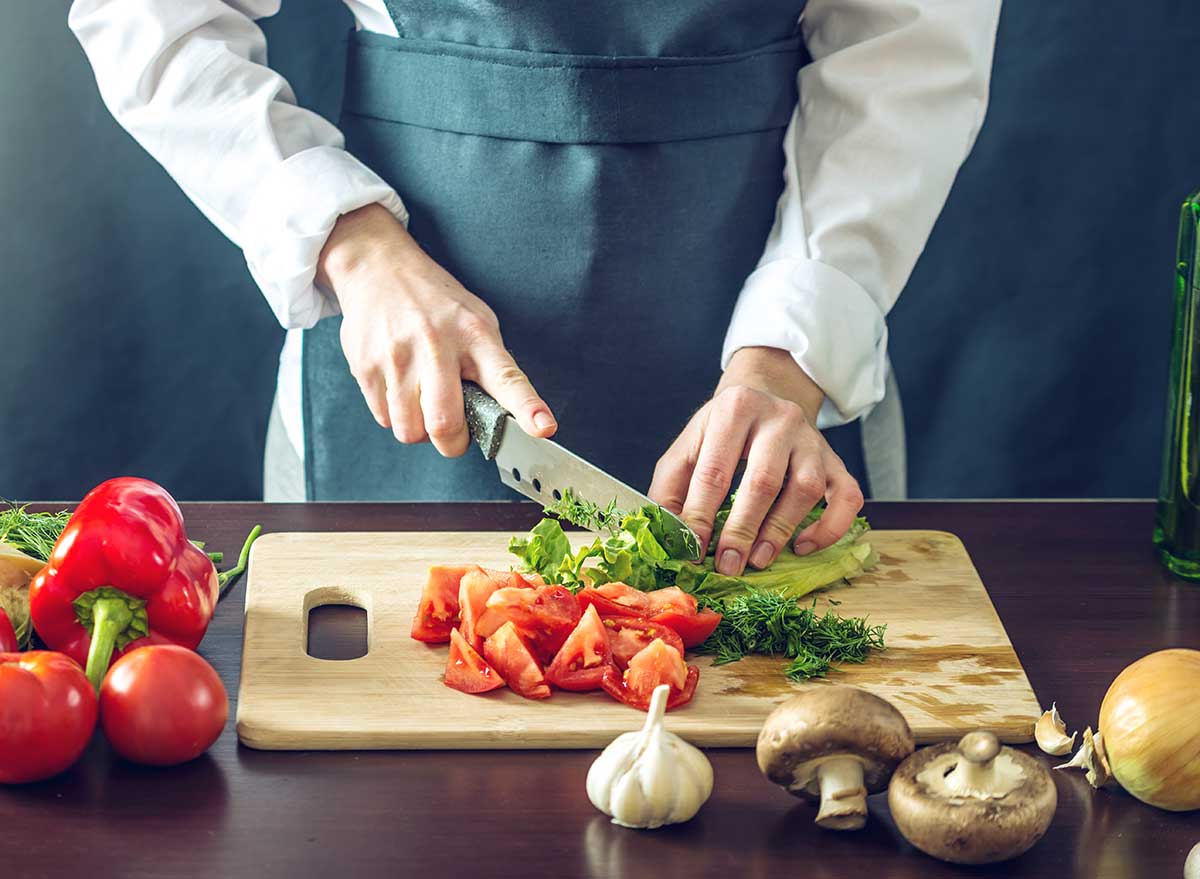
point(888, 110)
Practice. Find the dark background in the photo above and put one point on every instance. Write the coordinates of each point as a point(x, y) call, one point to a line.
point(1031, 342)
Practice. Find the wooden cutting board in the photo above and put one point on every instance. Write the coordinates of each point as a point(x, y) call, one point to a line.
point(948, 666)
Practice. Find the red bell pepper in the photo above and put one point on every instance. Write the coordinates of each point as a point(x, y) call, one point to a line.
point(8, 635)
point(121, 576)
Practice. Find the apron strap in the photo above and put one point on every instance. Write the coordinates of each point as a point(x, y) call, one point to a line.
point(883, 443)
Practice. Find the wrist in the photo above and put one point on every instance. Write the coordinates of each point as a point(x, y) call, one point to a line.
point(358, 239)
point(775, 371)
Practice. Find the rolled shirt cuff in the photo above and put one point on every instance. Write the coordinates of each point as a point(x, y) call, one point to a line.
point(830, 324)
point(290, 218)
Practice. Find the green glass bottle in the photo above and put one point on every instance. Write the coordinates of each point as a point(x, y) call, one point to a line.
point(1177, 529)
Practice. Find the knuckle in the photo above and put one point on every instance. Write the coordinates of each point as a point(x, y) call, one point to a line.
point(476, 329)
point(711, 475)
point(740, 400)
point(777, 528)
point(763, 483)
point(738, 532)
point(510, 374)
point(443, 425)
point(809, 487)
point(852, 495)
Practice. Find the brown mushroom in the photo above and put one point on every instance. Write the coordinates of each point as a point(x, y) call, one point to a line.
point(834, 745)
point(973, 802)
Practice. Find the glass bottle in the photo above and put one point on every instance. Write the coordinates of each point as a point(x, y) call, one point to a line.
point(1177, 529)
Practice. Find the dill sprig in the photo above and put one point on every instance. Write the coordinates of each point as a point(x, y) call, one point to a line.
point(767, 623)
point(586, 514)
point(32, 533)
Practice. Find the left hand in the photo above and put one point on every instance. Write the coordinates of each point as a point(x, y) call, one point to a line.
point(764, 411)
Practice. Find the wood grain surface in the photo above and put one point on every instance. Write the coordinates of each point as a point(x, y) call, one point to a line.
point(949, 666)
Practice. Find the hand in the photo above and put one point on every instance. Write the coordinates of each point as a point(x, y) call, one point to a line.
point(764, 410)
point(411, 333)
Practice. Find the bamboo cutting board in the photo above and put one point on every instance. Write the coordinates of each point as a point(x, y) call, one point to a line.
point(949, 666)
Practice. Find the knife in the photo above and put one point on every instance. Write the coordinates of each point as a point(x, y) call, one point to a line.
point(543, 471)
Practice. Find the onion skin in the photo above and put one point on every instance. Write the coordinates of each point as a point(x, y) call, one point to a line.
point(1150, 722)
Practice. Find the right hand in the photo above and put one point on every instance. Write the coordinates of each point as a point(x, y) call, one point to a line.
point(411, 333)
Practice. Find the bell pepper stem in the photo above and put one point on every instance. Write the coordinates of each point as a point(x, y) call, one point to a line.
point(227, 578)
point(110, 617)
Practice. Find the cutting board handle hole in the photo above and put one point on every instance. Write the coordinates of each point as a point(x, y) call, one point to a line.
point(337, 626)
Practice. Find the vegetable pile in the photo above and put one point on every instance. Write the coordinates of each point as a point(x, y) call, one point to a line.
point(116, 586)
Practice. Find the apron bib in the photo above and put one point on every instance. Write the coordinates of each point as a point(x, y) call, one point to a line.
point(604, 175)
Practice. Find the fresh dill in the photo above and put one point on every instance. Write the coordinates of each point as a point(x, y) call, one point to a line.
point(586, 514)
point(32, 533)
point(771, 624)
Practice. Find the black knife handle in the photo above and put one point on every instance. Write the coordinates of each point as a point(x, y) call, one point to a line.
point(485, 418)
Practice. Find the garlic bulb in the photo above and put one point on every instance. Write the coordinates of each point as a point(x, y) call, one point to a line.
point(1191, 867)
point(1051, 733)
point(652, 777)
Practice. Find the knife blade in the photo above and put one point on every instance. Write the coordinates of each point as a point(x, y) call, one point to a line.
point(543, 471)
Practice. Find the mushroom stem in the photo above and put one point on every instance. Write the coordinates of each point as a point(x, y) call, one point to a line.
point(843, 794)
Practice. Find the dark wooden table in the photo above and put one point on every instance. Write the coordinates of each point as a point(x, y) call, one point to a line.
point(1075, 583)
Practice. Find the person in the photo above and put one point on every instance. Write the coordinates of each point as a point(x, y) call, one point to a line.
point(626, 221)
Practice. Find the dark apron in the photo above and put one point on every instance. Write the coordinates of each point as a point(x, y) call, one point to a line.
point(604, 175)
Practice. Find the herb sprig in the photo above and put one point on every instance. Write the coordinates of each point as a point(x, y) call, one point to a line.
point(32, 533)
point(769, 623)
point(586, 514)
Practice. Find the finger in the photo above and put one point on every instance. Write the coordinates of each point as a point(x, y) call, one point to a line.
point(801, 492)
point(673, 472)
point(404, 410)
point(499, 375)
point(766, 469)
point(441, 400)
point(374, 391)
point(721, 446)
point(844, 500)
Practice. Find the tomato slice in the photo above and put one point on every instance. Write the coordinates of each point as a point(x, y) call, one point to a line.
point(693, 628)
point(473, 592)
point(671, 599)
point(507, 653)
point(466, 670)
point(437, 613)
point(626, 596)
point(580, 663)
point(657, 664)
point(628, 636)
point(605, 606)
point(546, 615)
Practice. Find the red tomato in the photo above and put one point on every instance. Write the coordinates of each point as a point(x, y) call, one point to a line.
point(506, 652)
point(657, 664)
point(473, 592)
point(545, 615)
point(627, 636)
point(465, 669)
point(694, 628)
point(437, 613)
point(47, 714)
point(626, 596)
point(581, 661)
point(605, 606)
point(162, 705)
point(671, 599)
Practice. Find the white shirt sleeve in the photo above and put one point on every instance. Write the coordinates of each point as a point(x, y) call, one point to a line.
point(188, 79)
point(889, 108)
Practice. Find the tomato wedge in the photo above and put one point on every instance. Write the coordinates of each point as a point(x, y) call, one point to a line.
point(506, 652)
point(628, 636)
point(546, 615)
point(437, 613)
point(671, 599)
point(473, 592)
point(657, 664)
point(693, 628)
point(580, 663)
point(466, 670)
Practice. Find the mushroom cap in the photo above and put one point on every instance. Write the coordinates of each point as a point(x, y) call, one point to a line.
point(971, 829)
point(828, 722)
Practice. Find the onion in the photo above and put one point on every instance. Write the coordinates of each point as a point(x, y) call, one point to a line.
point(1150, 724)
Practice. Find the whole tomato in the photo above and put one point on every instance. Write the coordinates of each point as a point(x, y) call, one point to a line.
point(47, 714)
point(162, 705)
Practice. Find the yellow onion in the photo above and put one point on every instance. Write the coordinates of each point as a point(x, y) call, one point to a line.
point(1150, 725)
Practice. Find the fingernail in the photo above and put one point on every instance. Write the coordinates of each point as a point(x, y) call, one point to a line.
point(804, 547)
point(761, 556)
point(731, 563)
point(543, 421)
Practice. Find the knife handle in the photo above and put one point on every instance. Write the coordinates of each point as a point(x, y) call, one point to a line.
point(485, 418)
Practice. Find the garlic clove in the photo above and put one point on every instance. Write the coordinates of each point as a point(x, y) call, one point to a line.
point(1051, 733)
point(1091, 758)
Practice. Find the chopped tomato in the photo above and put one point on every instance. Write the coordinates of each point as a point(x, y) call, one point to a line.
point(627, 636)
point(437, 613)
point(466, 669)
point(581, 661)
point(507, 653)
point(473, 592)
point(671, 599)
point(693, 628)
point(658, 663)
point(545, 615)
point(626, 596)
point(604, 605)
